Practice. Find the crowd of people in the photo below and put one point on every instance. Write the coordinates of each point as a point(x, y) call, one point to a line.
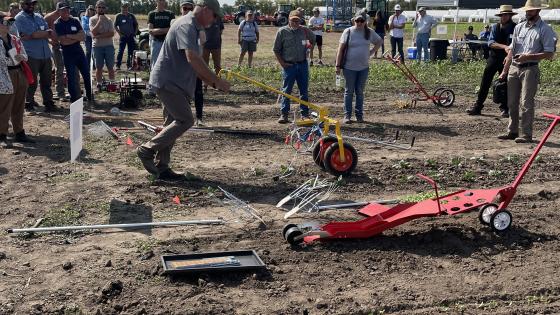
point(32, 45)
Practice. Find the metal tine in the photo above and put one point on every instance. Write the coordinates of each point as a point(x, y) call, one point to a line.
point(300, 205)
point(292, 194)
point(242, 205)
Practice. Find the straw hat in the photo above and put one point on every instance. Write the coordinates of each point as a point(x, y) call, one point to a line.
point(533, 5)
point(506, 9)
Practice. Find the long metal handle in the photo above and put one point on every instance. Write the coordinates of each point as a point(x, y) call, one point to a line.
point(116, 226)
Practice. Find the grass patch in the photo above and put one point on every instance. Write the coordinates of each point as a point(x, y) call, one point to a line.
point(67, 215)
point(146, 245)
point(70, 177)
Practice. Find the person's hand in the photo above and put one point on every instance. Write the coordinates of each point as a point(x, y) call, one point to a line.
point(507, 49)
point(338, 70)
point(19, 57)
point(523, 58)
point(239, 41)
point(257, 41)
point(222, 85)
point(503, 76)
point(285, 65)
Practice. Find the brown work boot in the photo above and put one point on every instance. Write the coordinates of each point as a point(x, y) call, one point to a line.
point(508, 136)
point(147, 156)
point(283, 119)
point(475, 110)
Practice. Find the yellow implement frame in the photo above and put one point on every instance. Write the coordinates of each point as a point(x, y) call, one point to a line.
point(322, 111)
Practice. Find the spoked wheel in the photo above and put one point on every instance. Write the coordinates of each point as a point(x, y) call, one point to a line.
point(486, 212)
point(333, 163)
point(500, 221)
point(320, 148)
point(445, 98)
point(290, 232)
point(436, 92)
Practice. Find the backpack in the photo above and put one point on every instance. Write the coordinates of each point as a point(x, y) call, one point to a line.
point(499, 92)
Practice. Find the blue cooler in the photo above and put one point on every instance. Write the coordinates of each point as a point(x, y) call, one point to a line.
point(412, 52)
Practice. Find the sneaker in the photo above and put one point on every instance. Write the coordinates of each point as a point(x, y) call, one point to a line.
point(475, 110)
point(320, 62)
point(524, 139)
point(199, 123)
point(360, 119)
point(508, 136)
point(311, 63)
point(51, 108)
point(504, 114)
point(347, 120)
point(146, 156)
point(21, 137)
point(169, 174)
point(283, 119)
point(5, 143)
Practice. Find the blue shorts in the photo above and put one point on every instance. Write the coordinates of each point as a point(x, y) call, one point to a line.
point(104, 56)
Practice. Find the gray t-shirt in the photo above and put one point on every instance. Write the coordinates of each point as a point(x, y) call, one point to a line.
point(357, 55)
point(172, 70)
point(106, 26)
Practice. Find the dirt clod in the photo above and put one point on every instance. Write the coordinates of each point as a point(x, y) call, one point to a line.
point(67, 266)
point(147, 255)
point(108, 263)
point(111, 289)
point(2, 255)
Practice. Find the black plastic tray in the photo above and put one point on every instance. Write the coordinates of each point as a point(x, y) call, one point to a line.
point(248, 259)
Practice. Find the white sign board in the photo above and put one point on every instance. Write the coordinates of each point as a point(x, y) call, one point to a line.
point(441, 29)
point(76, 121)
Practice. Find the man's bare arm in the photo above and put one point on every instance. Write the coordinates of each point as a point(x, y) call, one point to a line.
point(204, 73)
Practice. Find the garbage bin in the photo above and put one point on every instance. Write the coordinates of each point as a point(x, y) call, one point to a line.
point(438, 49)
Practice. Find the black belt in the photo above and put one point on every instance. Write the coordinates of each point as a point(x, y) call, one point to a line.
point(297, 62)
point(14, 67)
point(525, 65)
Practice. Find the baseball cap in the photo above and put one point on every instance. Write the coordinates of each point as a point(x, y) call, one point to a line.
point(398, 7)
point(183, 2)
point(62, 5)
point(249, 12)
point(213, 5)
point(316, 9)
point(421, 9)
point(294, 14)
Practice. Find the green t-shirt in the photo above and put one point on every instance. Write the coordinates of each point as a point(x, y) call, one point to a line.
point(160, 20)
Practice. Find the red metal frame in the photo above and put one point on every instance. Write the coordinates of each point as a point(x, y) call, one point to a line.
point(380, 217)
point(419, 88)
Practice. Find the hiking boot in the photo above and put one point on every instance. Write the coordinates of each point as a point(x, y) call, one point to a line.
point(169, 174)
point(504, 113)
point(199, 123)
point(30, 107)
point(360, 119)
point(524, 139)
point(508, 136)
point(5, 143)
point(51, 108)
point(475, 110)
point(21, 137)
point(283, 118)
point(346, 120)
point(146, 156)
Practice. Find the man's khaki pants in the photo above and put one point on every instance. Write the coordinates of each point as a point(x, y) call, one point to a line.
point(58, 70)
point(178, 119)
point(522, 87)
point(12, 105)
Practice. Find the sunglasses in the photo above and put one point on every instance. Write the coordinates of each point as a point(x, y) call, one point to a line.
point(101, 7)
point(186, 8)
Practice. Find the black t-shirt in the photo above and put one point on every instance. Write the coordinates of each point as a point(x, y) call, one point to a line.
point(214, 35)
point(69, 27)
point(380, 25)
point(160, 20)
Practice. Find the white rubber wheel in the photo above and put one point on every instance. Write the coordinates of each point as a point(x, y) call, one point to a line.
point(486, 213)
point(501, 221)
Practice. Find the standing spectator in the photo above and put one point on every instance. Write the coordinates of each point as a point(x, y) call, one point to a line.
point(397, 22)
point(14, 9)
point(381, 28)
point(213, 45)
point(485, 35)
point(533, 40)
point(316, 24)
point(13, 85)
point(423, 24)
point(57, 58)
point(102, 31)
point(353, 58)
point(173, 78)
point(159, 22)
point(248, 38)
point(290, 48)
point(301, 12)
point(499, 41)
point(127, 27)
point(35, 32)
point(89, 40)
point(69, 34)
point(470, 36)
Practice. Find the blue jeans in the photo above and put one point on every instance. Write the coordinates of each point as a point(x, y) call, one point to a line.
point(299, 73)
point(155, 47)
point(89, 42)
point(131, 43)
point(75, 58)
point(422, 40)
point(355, 83)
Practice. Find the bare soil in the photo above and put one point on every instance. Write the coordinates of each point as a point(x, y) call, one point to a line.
point(428, 266)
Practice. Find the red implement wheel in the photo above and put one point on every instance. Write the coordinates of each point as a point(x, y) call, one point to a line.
point(334, 165)
point(320, 149)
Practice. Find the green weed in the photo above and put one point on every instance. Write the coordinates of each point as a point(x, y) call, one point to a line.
point(67, 215)
point(457, 161)
point(402, 164)
point(431, 163)
point(468, 176)
point(145, 245)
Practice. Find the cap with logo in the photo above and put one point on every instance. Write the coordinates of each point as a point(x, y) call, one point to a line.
point(398, 7)
point(294, 14)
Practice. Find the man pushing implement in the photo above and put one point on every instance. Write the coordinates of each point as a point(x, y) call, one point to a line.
point(174, 78)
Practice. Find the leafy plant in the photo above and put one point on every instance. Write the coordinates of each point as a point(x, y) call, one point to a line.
point(431, 163)
point(402, 164)
point(468, 176)
point(495, 173)
point(457, 161)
